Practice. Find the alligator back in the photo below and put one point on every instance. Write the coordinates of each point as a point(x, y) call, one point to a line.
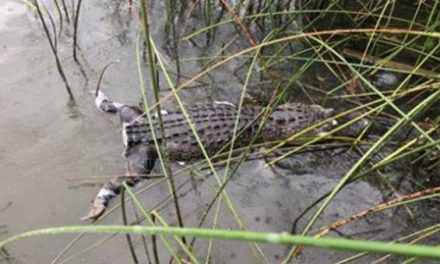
point(214, 123)
point(291, 118)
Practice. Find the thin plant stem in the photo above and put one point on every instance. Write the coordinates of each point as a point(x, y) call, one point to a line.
point(75, 30)
point(65, 10)
point(154, 242)
point(125, 222)
point(159, 112)
point(54, 29)
point(54, 51)
point(60, 16)
point(431, 252)
point(171, 15)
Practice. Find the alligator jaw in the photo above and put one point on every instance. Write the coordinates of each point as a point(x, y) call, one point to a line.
point(104, 104)
point(96, 211)
point(99, 204)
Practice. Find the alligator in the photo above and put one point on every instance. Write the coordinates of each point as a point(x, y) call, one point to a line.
point(214, 123)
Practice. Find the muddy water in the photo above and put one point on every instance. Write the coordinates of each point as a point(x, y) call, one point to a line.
point(50, 153)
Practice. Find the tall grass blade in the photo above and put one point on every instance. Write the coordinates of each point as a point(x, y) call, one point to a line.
point(244, 236)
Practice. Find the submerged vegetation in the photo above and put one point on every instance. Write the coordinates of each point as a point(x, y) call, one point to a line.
point(375, 62)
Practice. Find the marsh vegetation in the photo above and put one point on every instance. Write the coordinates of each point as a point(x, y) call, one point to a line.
point(356, 194)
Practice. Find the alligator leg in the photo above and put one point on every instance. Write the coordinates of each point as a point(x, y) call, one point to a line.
point(140, 158)
point(139, 164)
point(140, 161)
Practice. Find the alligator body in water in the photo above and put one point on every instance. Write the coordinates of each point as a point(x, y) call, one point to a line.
point(214, 123)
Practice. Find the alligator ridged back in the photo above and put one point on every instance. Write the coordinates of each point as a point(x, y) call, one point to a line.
point(291, 118)
point(215, 123)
